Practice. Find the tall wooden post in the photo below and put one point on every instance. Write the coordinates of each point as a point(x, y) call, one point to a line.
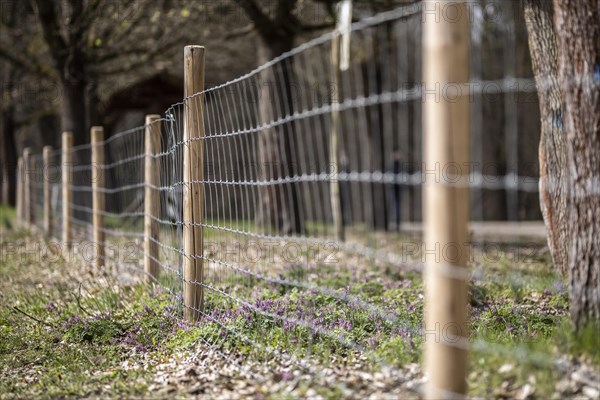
point(47, 191)
point(27, 171)
point(336, 203)
point(97, 142)
point(152, 198)
point(446, 195)
point(67, 192)
point(19, 197)
point(193, 191)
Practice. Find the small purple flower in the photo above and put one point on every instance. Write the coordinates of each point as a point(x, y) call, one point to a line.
point(50, 306)
point(181, 325)
point(345, 324)
point(558, 287)
point(130, 339)
point(281, 309)
point(141, 348)
point(71, 321)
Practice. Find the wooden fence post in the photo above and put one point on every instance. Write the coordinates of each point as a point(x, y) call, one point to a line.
point(97, 142)
point(19, 197)
point(28, 216)
point(47, 191)
point(152, 197)
point(336, 203)
point(67, 192)
point(193, 191)
point(446, 198)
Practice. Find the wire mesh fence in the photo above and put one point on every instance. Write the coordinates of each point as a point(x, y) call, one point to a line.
point(310, 217)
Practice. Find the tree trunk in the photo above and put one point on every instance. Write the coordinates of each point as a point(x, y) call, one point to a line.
point(279, 206)
point(8, 76)
point(552, 150)
point(73, 112)
point(577, 31)
point(9, 155)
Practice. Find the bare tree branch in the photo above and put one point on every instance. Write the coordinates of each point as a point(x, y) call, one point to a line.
point(51, 29)
point(262, 22)
point(25, 63)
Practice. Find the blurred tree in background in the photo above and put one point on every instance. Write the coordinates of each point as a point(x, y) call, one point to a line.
point(69, 64)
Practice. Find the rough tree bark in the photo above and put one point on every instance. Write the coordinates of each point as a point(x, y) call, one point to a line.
point(577, 25)
point(552, 150)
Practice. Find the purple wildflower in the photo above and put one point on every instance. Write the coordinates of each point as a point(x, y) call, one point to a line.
point(71, 321)
point(558, 287)
point(345, 324)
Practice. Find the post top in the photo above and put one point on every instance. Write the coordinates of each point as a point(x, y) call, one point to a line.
point(151, 118)
point(191, 51)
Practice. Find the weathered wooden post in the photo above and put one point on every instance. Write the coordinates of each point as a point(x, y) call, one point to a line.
point(193, 190)
point(446, 195)
point(97, 141)
point(334, 185)
point(340, 54)
point(47, 191)
point(152, 197)
point(27, 171)
point(67, 190)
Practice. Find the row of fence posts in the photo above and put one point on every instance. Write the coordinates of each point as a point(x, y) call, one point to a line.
point(446, 207)
point(29, 175)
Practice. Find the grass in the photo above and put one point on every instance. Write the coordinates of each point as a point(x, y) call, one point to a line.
point(60, 338)
point(67, 330)
point(519, 317)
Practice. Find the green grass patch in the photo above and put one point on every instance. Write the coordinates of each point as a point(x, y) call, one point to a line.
point(60, 339)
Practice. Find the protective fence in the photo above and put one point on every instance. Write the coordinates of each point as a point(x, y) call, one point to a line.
point(282, 210)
